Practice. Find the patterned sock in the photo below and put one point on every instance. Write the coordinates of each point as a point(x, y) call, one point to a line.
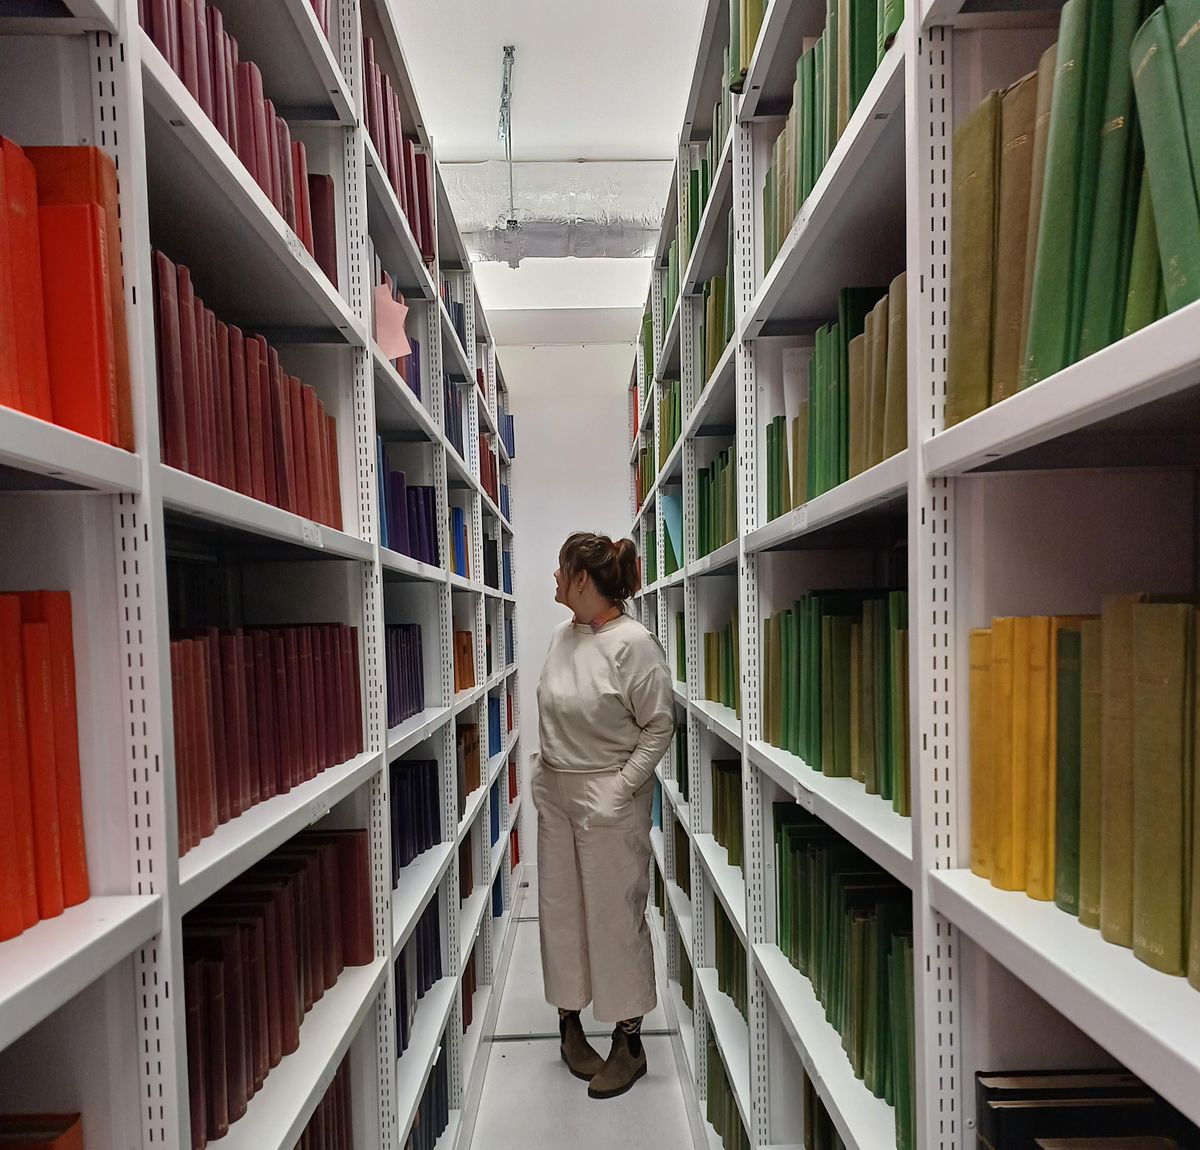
point(564, 1016)
point(632, 1029)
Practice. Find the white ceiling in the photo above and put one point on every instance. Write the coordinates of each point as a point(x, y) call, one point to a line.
point(564, 283)
point(591, 81)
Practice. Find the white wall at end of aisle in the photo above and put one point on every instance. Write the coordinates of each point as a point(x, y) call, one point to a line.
point(570, 405)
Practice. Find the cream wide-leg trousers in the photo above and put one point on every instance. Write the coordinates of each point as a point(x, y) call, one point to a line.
point(593, 859)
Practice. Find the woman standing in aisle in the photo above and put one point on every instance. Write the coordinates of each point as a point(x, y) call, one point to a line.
point(606, 717)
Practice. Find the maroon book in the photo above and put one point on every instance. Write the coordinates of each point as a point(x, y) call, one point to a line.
point(254, 422)
point(191, 380)
point(283, 726)
point(424, 195)
point(221, 944)
point(217, 462)
point(356, 726)
point(239, 786)
point(189, 62)
point(269, 433)
point(262, 133)
point(320, 696)
point(203, 60)
point(335, 481)
point(281, 418)
point(179, 727)
point(240, 412)
point(314, 455)
point(308, 749)
point(302, 504)
point(208, 783)
point(248, 751)
point(212, 650)
point(283, 150)
point(226, 446)
point(292, 669)
point(218, 71)
point(252, 899)
point(193, 997)
point(170, 363)
point(264, 708)
point(203, 396)
point(354, 877)
point(247, 146)
point(270, 121)
point(391, 153)
point(283, 990)
point(303, 205)
point(231, 96)
point(216, 1069)
point(324, 225)
point(164, 29)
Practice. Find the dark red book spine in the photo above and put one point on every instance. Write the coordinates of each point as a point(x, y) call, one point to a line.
point(238, 782)
point(226, 448)
point(240, 412)
point(247, 146)
point(270, 120)
point(203, 60)
point(283, 156)
point(193, 428)
point(283, 713)
point(264, 706)
point(269, 432)
point(170, 363)
point(249, 733)
point(189, 62)
point(324, 225)
point(222, 748)
point(254, 423)
point(302, 504)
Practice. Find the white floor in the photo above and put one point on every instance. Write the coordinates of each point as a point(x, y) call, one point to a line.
point(530, 1101)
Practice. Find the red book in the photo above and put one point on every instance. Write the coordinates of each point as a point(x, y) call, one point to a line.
point(54, 609)
point(356, 726)
point(207, 399)
point(238, 777)
point(189, 61)
point(264, 710)
point(21, 254)
point(249, 731)
point(222, 946)
point(320, 698)
point(254, 420)
point(368, 46)
point(79, 332)
point(41, 1132)
point(239, 412)
point(303, 204)
point(335, 481)
point(212, 423)
point(283, 155)
point(324, 225)
point(308, 702)
point(39, 708)
point(424, 194)
point(14, 765)
point(281, 418)
point(302, 498)
point(231, 65)
point(247, 146)
point(67, 175)
point(354, 878)
point(206, 774)
point(270, 121)
point(204, 60)
point(189, 348)
point(193, 997)
point(404, 193)
point(262, 133)
point(292, 679)
point(314, 440)
point(270, 432)
point(215, 1070)
point(179, 727)
point(218, 67)
point(413, 204)
point(219, 704)
point(227, 448)
point(164, 28)
point(321, 11)
point(390, 151)
point(170, 363)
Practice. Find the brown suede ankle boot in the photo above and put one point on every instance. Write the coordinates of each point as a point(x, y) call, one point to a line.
point(577, 1052)
point(626, 1063)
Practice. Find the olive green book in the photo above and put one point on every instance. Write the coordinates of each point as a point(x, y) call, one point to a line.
point(885, 769)
point(1041, 136)
point(1116, 770)
point(752, 15)
point(1164, 133)
point(899, 725)
point(1048, 348)
point(1145, 266)
point(775, 715)
point(1091, 707)
point(818, 136)
point(800, 454)
point(784, 476)
point(845, 65)
point(680, 648)
point(893, 17)
point(772, 507)
point(856, 645)
point(833, 37)
point(1117, 184)
point(1163, 673)
point(858, 405)
point(1067, 671)
point(797, 685)
point(840, 700)
point(864, 32)
point(877, 342)
point(872, 621)
point(787, 657)
point(972, 261)
point(735, 76)
point(807, 125)
point(1039, 792)
point(1018, 115)
point(1183, 17)
point(836, 441)
point(895, 414)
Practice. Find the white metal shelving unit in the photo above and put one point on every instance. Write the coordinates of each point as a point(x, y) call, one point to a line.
point(104, 980)
point(1080, 486)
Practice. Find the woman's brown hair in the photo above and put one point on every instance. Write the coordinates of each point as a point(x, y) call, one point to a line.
point(612, 566)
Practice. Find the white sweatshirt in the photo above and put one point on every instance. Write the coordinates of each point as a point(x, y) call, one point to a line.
point(605, 700)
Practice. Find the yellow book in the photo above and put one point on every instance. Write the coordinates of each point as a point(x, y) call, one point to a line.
point(1039, 811)
point(1090, 709)
point(877, 381)
point(1005, 872)
point(981, 750)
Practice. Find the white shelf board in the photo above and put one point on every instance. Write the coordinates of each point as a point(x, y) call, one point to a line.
point(633, 448)
point(672, 580)
point(715, 407)
point(396, 405)
point(1149, 1020)
point(56, 958)
point(278, 1113)
point(241, 842)
point(682, 808)
point(768, 87)
point(649, 409)
point(200, 499)
point(851, 227)
point(407, 567)
point(416, 884)
point(498, 850)
point(882, 487)
point(672, 468)
point(708, 79)
point(680, 690)
point(424, 1046)
point(670, 216)
point(415, 729)
point(300, 74)
point(473, 806)
point(732, 1035)
point(666, 366)
point(1152, 364)
point(681, 907)
point(686, 1019)
point(707, 257)
point(203, 204)
point(40, 448)
point(99, 14)
point(391, 233)
point(716, 562)
point(727, 882)
point(454, 355)
point(867, 821)
point(464, 699)
point(863, 1121)
point(458, 465)
point(470, 918)
point(719, 720)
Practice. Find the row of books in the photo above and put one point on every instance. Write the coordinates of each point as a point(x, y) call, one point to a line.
point(65, 354)
point(256, 713)
point(727, 808)
point(680, 648)
point(331, 1126)
point(508, 436)
point(452, 415)
point(1062, 246)
point(464, 661)
point(835, 688)
point(417, 967)
point(467, 762)
point(831, 76)
point(1082, 733)
point(460, 543)
point(407, 513)
point(408, 366)
point(415, 788)
point(42, 1131)
point(722, 680)
point(730, 959)
point(701, 171)
point(720, 1105)
point(43, 853)
point(409, 169)
point(191, 36)
point(670, 419)
point(453, 287)
point(683, 857)
point(716, 502)
point(466, 869)
point(1077, 1109)
point(433, 1113)
point(405, 671)
point(506, 503)
point(232, 415)
point(258, 955)
point(846, 926)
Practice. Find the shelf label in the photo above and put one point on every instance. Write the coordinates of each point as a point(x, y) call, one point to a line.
point(800, 518)
point(310, 532)
point(294, 244)
point(802, 795)
point(318, 810)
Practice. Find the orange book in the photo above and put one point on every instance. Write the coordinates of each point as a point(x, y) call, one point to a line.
point(39, 710)
point(41, 1132)
point(79, 341)
point(54, 609)
point(14, 770)
point(24, 248)
point(10, 384)
point(83, 176)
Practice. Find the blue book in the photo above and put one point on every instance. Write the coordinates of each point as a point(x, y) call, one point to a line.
point(495, 809)
point(656, 809)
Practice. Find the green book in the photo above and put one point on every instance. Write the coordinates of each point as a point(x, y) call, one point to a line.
point(818, 140)
point(1145, 269)
point(733, 78)
point(893, 17)
point(864, 33)
point(785, 480)
point(786, 656)
point(833, 36)
point(1049, 347)
point(839, 702)
point(1172, 187)
point(1091, 705)
point(1066, 770)
point(775, 680)
point(1118, 178)
point(807, 121)
point(1182, 17)
point(772, 510)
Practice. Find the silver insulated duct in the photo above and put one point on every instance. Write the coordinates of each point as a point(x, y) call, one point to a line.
point(582, 208)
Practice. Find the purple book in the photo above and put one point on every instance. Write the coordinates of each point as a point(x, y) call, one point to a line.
point(398, 534)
